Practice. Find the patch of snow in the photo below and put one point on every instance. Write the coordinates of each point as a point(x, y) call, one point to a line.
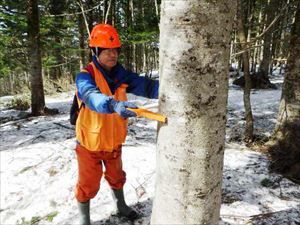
point(38, 169)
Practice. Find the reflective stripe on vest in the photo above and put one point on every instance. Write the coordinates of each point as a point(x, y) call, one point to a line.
point(98, 131)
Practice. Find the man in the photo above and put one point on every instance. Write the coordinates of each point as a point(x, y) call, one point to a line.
point(101, 126)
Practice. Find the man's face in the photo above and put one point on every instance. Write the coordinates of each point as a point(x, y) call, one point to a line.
point(108, 58)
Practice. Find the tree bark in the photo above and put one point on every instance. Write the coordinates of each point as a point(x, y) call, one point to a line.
point(35, 63)
point(194, 56)
point(247, 90)
point(284, 147)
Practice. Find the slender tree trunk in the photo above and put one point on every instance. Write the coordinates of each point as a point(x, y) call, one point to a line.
point(156, 8)
point(249, 33)
point(239, 65)
point(134, 62)
point(113, 13)
point(284, 148)
point(11, 83)
point(82, 29)
point(105, 5)
point(193, 95)
point(247, 89)
point(57, 7)
point(91, 18)
point(34, 53)
point(256, 52)
point(128, 49)
point(276, 42)
point(232, 43)
point(131, 10)
point(144, 63)
point(86, 21)
point(108, 12)
point(261, 28)
point(267, 54)
point(132, 46)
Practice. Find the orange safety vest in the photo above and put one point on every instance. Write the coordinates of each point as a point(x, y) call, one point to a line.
point(99, 131)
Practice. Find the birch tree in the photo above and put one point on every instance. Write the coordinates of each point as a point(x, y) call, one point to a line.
point(194, 57)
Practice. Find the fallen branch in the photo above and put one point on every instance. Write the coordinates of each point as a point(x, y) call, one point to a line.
point(8, 121)
point(32, 139)
point(64, 126)
point(35, 165)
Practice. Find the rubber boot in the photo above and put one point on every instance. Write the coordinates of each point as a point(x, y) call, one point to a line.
point(123, 208)
point(84, 213)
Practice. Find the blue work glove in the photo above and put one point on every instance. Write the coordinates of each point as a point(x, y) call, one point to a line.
point(120, 108)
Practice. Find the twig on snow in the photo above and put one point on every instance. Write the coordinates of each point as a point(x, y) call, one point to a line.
point(64, 126)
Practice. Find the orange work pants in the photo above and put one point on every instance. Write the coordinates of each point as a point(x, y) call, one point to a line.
point(90, 171)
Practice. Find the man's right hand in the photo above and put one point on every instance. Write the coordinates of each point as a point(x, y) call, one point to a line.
point(120, 108)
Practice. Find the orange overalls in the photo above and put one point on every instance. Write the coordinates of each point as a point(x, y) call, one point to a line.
point(100, 137)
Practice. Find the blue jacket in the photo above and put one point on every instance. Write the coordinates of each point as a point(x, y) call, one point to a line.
point(89, 93)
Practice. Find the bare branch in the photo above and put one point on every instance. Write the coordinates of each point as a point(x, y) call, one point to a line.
point(272, 23)
point(76, 13)
point(84, 16)
point(245, 50)
point(61, 64)
point(281, 13)
point(107, 12)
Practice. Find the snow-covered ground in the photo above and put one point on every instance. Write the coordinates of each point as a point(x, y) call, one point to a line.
point(39, 170)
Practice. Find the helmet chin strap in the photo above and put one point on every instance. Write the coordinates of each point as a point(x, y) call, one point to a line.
point(95, 54)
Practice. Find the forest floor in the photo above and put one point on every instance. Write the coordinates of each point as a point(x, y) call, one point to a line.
point(38, 168)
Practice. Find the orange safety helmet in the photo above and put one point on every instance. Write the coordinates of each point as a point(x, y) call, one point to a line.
point(104, 36)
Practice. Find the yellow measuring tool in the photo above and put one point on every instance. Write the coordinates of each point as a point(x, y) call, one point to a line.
point(149, 115)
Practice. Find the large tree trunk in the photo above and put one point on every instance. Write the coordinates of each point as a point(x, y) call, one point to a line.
point(285, 144)
point(34, 54)
point(194, 56)
point(247, 88)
